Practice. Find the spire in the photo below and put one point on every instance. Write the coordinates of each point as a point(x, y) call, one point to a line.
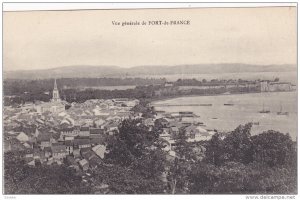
point(55, 96)
point(55, 85)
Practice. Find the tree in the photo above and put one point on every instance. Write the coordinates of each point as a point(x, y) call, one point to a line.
point(122, 180)
point(215, 150)
point(137, 149)
point(144, 108)
point(55, 179)
point(273, 148)
point(180, 168)
point(158, 126)
point(238, 145)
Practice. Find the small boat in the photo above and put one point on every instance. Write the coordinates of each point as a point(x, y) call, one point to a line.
point(281, 112)
point(228, 104)
point(214, 118)
point(264, 110)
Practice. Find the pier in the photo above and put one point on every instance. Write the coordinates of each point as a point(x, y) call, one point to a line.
point(168, 105)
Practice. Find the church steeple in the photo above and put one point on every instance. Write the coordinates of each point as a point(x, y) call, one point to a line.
point(55, 85)
point(55, 94)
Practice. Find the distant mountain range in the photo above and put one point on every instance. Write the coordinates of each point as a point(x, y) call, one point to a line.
point(88, 71)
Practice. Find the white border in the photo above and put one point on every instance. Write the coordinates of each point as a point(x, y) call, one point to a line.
point(94, 5)
point(10, 6)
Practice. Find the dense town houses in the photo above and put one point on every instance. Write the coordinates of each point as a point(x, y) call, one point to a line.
point(48, 133)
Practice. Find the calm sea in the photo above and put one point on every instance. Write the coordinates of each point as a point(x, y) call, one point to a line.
point(245, 109)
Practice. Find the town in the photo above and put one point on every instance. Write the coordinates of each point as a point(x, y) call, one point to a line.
point(47, 133)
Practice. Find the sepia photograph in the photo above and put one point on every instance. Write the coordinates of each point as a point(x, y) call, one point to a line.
point(198, 100)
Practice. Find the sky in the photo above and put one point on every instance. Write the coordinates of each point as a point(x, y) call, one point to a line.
point(49, 39)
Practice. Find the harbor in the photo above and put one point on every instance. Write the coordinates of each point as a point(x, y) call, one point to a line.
point(264, 110)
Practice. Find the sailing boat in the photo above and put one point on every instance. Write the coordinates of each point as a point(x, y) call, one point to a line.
point(280, 112)
point(263, 110)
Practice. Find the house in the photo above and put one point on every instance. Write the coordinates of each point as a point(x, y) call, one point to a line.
point(97, 136)
point(82, 143)
point(87, 153)
point(28, 145)
point(94, 162)
point(69, 146)
point(91, 157)
point(38, 154)
point(84, 164)
point(71, 132)
point(99, 150)
point(59, 151)
point(29, 153)
point(31, 162)
point(7, 146)
point(84, 131)
point(99, 122)
point(48, 152)
point(192, 131)
point(204, 136)
point(112, 127)
point(22, 137)
point(65, 123)
point(44, 140)
point(96, 132)
point(174, 131)
point(149, 122)
point(160, 114)
point(168, 84)
point(70, 138)
point(76, 153)
point(97, 140)
point(15, 145)
point(197, 133)
point(165, 134)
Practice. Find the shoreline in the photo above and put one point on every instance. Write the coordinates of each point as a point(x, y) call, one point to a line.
point(155, 100)
point(291, 132)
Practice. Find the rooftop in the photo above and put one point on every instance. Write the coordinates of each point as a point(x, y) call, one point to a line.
point(96, 131)
point(58, 149)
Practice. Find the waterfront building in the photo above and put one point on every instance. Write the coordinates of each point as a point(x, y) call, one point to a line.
point(268, 86)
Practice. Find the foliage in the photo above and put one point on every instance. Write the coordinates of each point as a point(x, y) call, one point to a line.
point(238, 145)
point(123, 180)
point(215, 150)
point(136, 149)
point(237, 178)
point(55, 179)
point(273, 148)
point(181, 166)
point(237, 163)
point(241, 163)
point(144, 108)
